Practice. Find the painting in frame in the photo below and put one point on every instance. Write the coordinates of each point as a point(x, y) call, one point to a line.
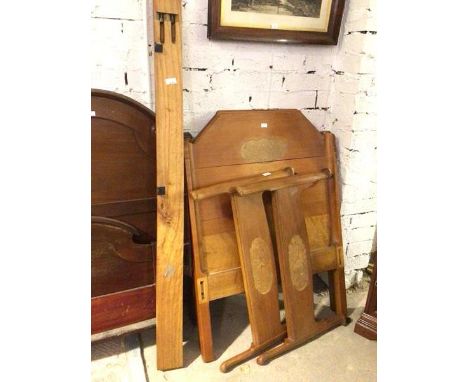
point(286, 21)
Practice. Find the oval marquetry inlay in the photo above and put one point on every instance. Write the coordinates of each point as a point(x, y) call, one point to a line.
point(262, 269)
point(264, 149)
point(298, 263)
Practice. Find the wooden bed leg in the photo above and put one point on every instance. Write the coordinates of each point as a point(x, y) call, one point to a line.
point(286, 346)
point(290, 344)
point(205, 336)
point(204, 332)
point(250, 353)
point(337, 297)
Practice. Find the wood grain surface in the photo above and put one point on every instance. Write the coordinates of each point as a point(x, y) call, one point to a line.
point(296, 274)
point(119, 309)
point(221, 154)
point(259, 276)
point(123, 211)
point(169, 170)
point(335, 276)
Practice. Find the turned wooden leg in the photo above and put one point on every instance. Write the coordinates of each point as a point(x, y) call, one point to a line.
point(289, 344)
point(286, 346)
point(250, 353)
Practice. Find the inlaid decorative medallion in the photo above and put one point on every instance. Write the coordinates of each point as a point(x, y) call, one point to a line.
point(262, 269)
point(264, 149)
point(298, 263)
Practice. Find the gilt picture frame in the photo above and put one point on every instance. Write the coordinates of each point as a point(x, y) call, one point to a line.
point(282, 21)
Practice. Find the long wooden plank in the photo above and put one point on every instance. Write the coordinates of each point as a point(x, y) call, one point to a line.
point(169, 178)
point(200, 279)
point(259, 275)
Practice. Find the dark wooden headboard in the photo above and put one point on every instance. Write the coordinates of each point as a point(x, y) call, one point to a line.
point(123, 211)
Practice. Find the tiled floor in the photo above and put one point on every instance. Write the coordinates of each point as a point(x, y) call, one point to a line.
point(339, 355)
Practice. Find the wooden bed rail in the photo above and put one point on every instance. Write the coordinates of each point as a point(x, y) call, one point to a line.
point(278, 184)
point(229, 186)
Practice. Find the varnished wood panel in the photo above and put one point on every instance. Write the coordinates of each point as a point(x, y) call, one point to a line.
point(122, 196)
point(220, 250)
point(122, 149)
point(122, 308)
point(123, 213)
point(125, 207)
point(225, 283)
point(296, 273)
point(259, 276)
point(118, 262)
point(233, 131)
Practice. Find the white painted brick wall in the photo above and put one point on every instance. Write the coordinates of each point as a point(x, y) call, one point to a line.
point(352, 117)
point(333, 86)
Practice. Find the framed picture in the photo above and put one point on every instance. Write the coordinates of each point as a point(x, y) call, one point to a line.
point(287, 21)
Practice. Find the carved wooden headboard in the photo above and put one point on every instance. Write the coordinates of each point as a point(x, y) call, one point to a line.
point(123, 210)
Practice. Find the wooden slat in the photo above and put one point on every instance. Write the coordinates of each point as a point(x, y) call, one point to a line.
point(200, 277)
point(296, 275)
point(170, 214)
point(259, 275)
point(217, 226)
point(220, 251)
point(225, 284)
point(318, 231)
